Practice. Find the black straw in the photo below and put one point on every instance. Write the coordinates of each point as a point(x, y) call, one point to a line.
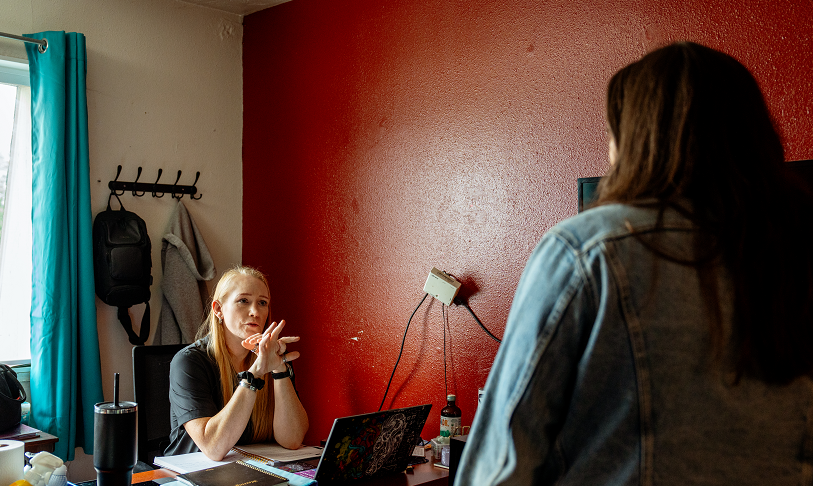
point(116, 390)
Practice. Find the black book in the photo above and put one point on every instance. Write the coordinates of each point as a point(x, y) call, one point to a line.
point(238, 473)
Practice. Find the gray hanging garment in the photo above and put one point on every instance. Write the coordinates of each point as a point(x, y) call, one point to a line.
point(186, 265)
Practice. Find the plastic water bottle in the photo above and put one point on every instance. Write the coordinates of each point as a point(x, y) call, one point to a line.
point(25, 411)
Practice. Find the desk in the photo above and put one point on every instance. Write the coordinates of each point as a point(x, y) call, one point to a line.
point(45, 442)
point(423, 475)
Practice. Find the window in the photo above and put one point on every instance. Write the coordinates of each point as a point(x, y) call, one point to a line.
point(15, 212)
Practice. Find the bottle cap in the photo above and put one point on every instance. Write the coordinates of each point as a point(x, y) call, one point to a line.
point(450, 398)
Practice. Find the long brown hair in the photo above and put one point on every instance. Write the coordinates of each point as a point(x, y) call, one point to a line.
point(693, 133)
point(262, 415)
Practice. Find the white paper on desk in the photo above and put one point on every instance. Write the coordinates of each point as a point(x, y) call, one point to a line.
point(275, 452)
point(194, 461)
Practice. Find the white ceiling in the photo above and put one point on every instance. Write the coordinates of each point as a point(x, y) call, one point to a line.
point(240, 7)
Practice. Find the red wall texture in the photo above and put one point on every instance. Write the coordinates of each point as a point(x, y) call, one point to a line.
point(385, 137)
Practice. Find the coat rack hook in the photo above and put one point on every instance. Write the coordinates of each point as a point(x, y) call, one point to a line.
point(154, 193)
point(113, 191)
point(192, 196)
point(174, 195)
point(135, 193)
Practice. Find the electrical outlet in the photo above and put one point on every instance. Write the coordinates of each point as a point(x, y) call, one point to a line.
point(441, 286)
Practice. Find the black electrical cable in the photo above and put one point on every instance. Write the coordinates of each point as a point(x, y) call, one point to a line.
point(459, 301)
point(445, 323)
point(401, 352)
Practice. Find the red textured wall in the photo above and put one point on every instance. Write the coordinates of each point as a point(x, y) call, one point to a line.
point(385, 137)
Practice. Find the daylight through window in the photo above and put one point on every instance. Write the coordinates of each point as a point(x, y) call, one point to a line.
point(15, 212)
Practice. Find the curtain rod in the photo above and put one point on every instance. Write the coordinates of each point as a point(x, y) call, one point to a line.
point(43, 44)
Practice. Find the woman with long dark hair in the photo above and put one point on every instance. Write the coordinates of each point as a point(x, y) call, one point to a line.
point(665, 336)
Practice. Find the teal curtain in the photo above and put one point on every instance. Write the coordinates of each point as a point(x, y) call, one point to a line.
point(65, 368)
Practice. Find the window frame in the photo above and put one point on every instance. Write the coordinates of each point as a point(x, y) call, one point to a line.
point(13, 72)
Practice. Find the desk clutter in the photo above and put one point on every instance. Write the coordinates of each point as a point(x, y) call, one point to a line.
point(294, 473)
point(237, 472)
point(273, 453)
point(193, 467)
point(372, 445)
point(42, 468)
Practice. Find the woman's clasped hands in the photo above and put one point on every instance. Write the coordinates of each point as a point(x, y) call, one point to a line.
point(271, 350)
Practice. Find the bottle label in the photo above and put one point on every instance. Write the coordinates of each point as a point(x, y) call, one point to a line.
point(450, 426)
point(25, 411)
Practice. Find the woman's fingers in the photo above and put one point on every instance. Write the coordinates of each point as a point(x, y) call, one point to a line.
point(275, 328)
point(271, 327)
point(251, 341)
point(271, 348)
point(292, 355)
point(282, 343)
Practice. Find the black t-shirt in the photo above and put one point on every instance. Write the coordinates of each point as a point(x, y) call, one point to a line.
point(194, 392)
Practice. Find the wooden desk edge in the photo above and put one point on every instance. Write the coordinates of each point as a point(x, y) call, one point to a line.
point(45, 442)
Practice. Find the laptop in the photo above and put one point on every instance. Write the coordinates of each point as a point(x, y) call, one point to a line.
point(371, 445)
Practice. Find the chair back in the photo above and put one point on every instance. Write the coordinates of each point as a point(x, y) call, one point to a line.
point(151, 383)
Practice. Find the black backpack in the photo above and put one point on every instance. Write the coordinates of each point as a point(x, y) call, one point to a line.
point(122, 264)
point(12, 395)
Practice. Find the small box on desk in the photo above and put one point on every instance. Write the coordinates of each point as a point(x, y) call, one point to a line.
point(455, 451)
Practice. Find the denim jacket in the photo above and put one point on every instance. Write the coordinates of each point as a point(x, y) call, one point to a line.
point(606, 373)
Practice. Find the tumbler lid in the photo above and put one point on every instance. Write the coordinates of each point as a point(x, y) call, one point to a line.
point(111, 408)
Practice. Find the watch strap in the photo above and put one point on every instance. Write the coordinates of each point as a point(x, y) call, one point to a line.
point(281, 375)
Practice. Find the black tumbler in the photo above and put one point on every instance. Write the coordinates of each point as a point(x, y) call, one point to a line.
point(115, 442)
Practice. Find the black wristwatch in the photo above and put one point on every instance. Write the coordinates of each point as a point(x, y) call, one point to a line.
point(254, 383)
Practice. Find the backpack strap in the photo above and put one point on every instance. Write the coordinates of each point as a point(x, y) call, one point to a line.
point(112, 193)
point(10, 376)
point(127, 324)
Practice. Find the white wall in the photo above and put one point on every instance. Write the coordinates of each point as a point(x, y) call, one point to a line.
point(164, 91)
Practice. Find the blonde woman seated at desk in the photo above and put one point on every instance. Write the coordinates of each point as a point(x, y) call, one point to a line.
point(221, 393)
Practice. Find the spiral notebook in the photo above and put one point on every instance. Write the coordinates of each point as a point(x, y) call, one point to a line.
point(273, 452)
point(232, 474)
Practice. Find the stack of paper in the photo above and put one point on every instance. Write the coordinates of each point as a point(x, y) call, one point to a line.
point(195, 461)
point(269, 453)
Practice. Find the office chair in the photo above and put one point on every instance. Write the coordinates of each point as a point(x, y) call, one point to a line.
point(151, 383)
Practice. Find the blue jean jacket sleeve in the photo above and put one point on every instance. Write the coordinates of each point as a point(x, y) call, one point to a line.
point(529, 387)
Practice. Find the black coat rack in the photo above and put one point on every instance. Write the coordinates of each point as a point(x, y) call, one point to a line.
point(157, 190)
